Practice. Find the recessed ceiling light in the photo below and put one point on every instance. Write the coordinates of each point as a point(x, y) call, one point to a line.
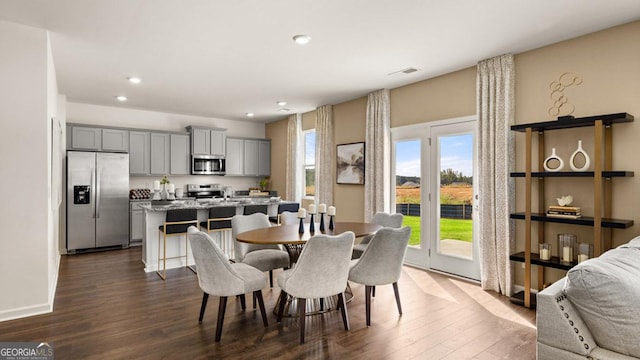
point(250, 114)
point(281, 103)
point(121, 98)
point(302, 39)
point(284, 109)
point(134, 80)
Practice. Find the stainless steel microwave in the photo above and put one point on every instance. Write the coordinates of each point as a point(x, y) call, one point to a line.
point(207, 165)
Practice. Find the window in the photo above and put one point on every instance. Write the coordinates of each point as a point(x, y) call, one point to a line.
point(309, 163)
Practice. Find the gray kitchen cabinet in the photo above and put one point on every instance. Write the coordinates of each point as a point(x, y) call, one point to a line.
point(139, 153)
point(86, 138)
point(206, 141)
point(251, 157)
point(97, 138)
point(160, 153)
point(218, 142)
point(248, 157)
point(136, 222)
point(180, 157)
point(115, 140)
point(235, 157)
point(264, 158)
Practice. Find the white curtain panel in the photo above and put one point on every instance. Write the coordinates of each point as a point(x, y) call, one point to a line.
point(377, 154)
point(325, 155)
point(496, 108)
point(294, 179)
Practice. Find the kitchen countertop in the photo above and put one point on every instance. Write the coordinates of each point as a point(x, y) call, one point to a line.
point(206, 205)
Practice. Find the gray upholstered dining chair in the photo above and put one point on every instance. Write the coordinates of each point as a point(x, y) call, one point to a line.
point(218, 277)
point(383, 219)
point(290, 218)
point(321, 271)
point(381, 263)
point(262, 257)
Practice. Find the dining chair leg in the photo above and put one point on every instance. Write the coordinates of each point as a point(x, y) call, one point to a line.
point(254, 300)
point(302, 307)
point(343, 309)
point(243, 302)
point(321, 304)
point(373, 291)
point(205, 297)
point(395, 290)
point(367, 302)
point(258, 295)
point(282, 300)
point(221, 309)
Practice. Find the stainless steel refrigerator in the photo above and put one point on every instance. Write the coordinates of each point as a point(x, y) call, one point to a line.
point(97, 200)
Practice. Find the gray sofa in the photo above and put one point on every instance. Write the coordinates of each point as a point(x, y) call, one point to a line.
point(593, 312)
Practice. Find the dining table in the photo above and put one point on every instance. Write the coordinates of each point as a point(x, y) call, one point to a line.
point(290, 237)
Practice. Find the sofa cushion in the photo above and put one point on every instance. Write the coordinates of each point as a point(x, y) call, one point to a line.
point(606, 292)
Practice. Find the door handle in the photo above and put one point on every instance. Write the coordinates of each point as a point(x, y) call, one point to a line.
point(97, 211)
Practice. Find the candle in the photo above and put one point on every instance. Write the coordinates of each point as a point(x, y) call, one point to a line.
point(322, 208)
point(544, 254)
point(312, 209)
point(582, 257)
point(302, 213)
point(566, 254)
point(331, 211)
point(156, 185)
point(172, 188)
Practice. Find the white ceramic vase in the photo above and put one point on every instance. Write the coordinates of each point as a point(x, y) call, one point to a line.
point(578, 151)
point(551, 158)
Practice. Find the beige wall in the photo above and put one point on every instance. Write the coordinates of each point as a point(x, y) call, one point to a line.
point(277, 132)
point(608, 63)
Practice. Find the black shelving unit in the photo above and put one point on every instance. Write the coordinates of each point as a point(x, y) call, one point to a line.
point(601, 221)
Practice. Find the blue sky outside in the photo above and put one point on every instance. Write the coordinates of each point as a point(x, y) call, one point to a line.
point(456, 152)
point(310, 148)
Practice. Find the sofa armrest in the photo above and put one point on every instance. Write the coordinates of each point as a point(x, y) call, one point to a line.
point(558, 323)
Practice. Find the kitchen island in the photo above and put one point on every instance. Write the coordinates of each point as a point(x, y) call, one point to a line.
point(154, 216)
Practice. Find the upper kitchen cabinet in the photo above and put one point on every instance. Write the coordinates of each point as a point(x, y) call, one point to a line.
point(248, 157)
point(139, 154)
point(235, 157)
point(98, 139)
point(160, 153)
point(207, 141)
point(179, 162)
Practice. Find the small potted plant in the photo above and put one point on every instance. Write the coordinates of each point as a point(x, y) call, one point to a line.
point(264, 183)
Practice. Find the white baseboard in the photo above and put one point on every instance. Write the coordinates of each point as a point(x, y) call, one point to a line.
point(26, 311)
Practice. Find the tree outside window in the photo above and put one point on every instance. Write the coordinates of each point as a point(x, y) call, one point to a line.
point(310, 163)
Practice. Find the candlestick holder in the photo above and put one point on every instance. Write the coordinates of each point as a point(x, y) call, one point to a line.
point(312, 225)
point(331, 222)
point(321, 221)
point(156, 195)
point(171, 196)
point(301, 227)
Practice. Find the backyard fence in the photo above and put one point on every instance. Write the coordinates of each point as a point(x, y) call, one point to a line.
point(446, 211)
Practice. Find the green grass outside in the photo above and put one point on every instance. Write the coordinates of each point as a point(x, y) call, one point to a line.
point(457, 229)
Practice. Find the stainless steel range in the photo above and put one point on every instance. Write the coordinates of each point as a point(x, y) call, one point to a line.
point(203, 191)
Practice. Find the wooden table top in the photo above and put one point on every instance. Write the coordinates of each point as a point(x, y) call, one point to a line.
point(288, 234)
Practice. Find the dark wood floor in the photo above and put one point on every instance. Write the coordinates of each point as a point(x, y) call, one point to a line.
point(106, 307)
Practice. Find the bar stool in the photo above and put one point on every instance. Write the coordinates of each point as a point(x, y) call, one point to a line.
point(220, 221)
point(175, 224)
point(252, 209)
point(291, 207)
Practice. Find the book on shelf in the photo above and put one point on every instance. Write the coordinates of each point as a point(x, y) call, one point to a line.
point(564, 208)
point(564, 216)
point(564, 212)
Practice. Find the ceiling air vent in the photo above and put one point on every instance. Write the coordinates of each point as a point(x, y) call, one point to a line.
point(408, 70)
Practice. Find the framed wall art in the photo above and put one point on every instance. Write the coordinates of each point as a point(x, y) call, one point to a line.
point(350, 163)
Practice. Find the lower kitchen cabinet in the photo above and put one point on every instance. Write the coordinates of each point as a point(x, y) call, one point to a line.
point(136, 222)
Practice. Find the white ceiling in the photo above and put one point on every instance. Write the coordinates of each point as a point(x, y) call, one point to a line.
point(224, 58)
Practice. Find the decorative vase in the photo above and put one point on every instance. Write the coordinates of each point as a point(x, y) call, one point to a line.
point(321, 221)
point(550, 159)
point(301, 227)
point(579, 151)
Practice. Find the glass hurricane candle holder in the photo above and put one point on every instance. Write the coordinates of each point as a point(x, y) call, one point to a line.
point(585, 251)
point(566, 244)
point(545, 251)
